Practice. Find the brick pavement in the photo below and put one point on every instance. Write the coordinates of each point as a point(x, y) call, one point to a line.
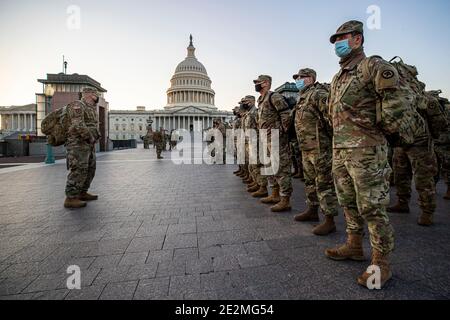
point(162, 231)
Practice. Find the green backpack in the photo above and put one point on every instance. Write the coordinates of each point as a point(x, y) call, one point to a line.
point(426, 105)
point(52, 126)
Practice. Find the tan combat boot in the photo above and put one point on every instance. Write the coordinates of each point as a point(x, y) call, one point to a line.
point(381, 261)
point(425, 220)
point(310, 214)
point(447, 195)
point(74, 203)
point(282, 206)
point(274, 198)
point(248, 181)
point(402, 206)
point(253, 188)
point(352, 250)
point(87, 197)
point(261, 193)
point(325, 228)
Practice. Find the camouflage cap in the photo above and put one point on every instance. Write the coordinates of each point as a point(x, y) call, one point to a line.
point(305, 73)
point(262, 78)
point(248, 99)
point(90, 90)
point(348, 27)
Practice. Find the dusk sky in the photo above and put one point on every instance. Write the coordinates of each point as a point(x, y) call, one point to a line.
point(132, 47)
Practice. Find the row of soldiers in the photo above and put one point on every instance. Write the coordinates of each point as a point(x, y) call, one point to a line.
point(345, 147)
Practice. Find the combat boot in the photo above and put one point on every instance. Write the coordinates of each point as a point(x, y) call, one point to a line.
point(249, 181)
point(310, 214)
point(241, 174)
point(425, 220)
point(74, 203)
point(447, 195)
point(87, 197)
point(325, 228)
point(261, 193)
point(274, 198)
point(253, 188)
point(352, 250)
point(282, 206)
point(381, 261)
point(402, 206)
point(237, 172)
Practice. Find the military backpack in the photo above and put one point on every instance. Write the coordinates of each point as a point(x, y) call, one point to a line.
point(424, 103)
point(52, 126)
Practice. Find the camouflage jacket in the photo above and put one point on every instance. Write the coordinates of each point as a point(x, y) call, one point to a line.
point(237, 122)
point(81, 122)
point(222, 129)
point(353, 101)
point(444, 138)
point(271, 114)
point(311, 126)
point(250, 121)
point(158, 137)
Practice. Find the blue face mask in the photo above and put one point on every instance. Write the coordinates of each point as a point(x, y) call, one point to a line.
point(300, 84)
point(342, 48)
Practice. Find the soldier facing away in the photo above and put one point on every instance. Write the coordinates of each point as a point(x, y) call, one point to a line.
point(360, 162)
point(274, 114)
point(158, 140)
point(81, 121)
point(314, 135)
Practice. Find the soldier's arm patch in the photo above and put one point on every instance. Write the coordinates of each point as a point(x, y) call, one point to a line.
point(386, 77)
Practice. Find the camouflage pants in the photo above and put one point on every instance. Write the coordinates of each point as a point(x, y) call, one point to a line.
point(282, 179)
point(361, 179)
point(418, 162)
point(81, 164)
point(319, 185)
point(296, 155)
point(159, 148)
point(443, 158)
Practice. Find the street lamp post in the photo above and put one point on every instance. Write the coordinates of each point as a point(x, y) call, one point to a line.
point(49, 92)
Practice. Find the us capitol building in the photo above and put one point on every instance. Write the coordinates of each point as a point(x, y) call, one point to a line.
point(190, 105)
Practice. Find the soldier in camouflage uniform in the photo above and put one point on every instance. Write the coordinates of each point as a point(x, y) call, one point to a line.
point(218, 124)
point(158, 140)
point(274, 114)
point(315, 139)
point(81, 121)
point(360, 162)
point(296, 159)
point(417, 161)
point(236, 124)
point(258, 188)
point(442, 147)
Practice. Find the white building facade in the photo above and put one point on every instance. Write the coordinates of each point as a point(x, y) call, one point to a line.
point(190, 104)
point(21, 119)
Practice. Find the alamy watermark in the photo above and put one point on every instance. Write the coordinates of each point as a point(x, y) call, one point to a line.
point(74, 280)
point(238, 146)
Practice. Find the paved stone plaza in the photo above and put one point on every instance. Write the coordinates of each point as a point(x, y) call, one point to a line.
point(162, 231)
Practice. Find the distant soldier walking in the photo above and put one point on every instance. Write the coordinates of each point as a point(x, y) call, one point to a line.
point(81, 121)
point(158, 141)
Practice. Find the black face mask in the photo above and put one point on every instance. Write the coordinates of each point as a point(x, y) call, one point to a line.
point(97, 100)
point(258, 87)
point(245, 106)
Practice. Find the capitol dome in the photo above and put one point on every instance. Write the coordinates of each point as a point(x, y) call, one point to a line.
point(190, 85)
